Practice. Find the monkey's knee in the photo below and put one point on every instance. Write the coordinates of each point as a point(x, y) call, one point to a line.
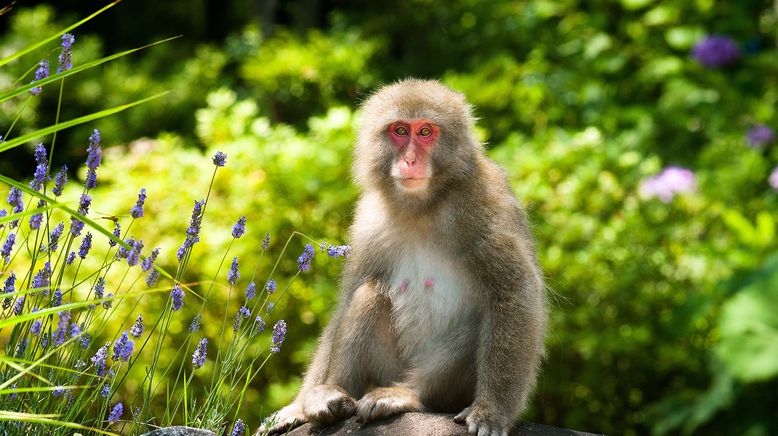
point(323, 405)
point(383, 402)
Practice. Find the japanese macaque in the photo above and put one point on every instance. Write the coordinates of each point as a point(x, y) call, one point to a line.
point(442, 306)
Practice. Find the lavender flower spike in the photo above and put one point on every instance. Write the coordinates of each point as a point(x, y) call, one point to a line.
point(41, 168)
point(279, 333)
point(37, 219)
point(715, 51)
point(41, 73)
point(93, 159)
point(123, 347)
point(198, 358)
point(137, 210)
point(239, 228)
point(59, 180)
point(195, 325)
point(137, 329)
point(266, 242)
point(116, 413)
point(219, 159)
point(233, 275)
point(271, 286)
point(251, 291)
point(177, 296)
point(8, 245)
point(66, 56)
point(86, 245)
point(239, 428)
point(98, 360)
point(193, 231)
point(304, 261)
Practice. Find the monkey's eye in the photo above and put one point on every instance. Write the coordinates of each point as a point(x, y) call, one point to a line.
point(425, 131)
point(400, 130)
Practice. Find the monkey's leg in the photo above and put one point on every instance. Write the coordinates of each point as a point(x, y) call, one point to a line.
point(387, 401)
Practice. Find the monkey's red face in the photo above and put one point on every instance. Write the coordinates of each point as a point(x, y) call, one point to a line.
point(413, 141)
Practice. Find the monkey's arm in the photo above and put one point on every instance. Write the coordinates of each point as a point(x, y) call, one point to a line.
point(510, 338)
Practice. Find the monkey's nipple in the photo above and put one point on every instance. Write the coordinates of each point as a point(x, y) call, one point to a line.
point(404, 285)
point(429, 282)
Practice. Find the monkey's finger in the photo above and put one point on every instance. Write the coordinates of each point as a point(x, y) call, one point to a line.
point(460, 419)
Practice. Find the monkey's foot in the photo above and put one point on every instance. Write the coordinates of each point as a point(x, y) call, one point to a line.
point(325, 404)
point(483, 421)
point(282, 421)
point(383, 402)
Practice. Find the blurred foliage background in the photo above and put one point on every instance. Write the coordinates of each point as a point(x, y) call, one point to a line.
point(664, 313)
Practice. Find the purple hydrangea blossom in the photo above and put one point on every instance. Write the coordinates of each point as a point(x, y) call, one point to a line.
point(271, 286)
point(304, 261)
point(239, 228)
point(86, 245)
point(66, 56)
point(266, 242)
point(8, 245)
point(233, 275)
point(93, 159)
point(137, 210)
point(195, 325)
point(116, 413)
point(193, 231)
point(41, 73)
point(239, 428)
point(200, 353)
point(219, 159)
point(98, 360)
point(760, 135)
point(37, 219)
point(671, 181)
point(148, 262)
point(279, 334)
point(117, 231)
point(177, 296)
point(137, 329)
point(54, 238)
point(251, 291)
point(41, 175)
point(123, 347)
point(59, 181)
point(773, 179)
point(71, 257)
point(715, 51)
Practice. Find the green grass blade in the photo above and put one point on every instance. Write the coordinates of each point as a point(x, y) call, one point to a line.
point(41, 389)
point(74, 122)
point(53, 78)
point(45, 41)
point(49, 419)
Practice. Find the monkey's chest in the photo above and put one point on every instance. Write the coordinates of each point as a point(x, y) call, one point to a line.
point(430, 310)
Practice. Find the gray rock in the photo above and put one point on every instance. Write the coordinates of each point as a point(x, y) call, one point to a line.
point(180, 431)
point(423, 424)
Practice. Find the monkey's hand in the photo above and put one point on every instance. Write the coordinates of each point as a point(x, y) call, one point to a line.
point(382, 402)
point(282, 421)
point(325, 404)
point(484, 420)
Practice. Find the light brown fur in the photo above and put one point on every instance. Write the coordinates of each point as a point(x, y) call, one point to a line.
point(470, 343)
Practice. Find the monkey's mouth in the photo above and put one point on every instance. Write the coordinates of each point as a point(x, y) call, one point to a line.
point(414, 184)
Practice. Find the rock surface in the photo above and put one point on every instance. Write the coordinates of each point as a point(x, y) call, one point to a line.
point(179, 431)
point(422, 424)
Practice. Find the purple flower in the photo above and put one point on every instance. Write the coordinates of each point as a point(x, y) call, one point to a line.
point(42, 279)
point(137, 210)
point(35, 328)
point(41, 73)
point(195, 325)
point(19, 305)
point(152, 278)
point(56, 298)
point(8, 287)
point(117, 231)
point(133, 256)
point(107, 303)
point(178, 297)
point(259, 324)
point(279, 333)
point(122, 348)
point(760, 135)
point(233, 275)
point(59, 181)
point(98, 360)
point(137, 329)
point(671, 181)
point(148, 262)
point(243, 312)
point(304, 261)
point(99, 288)
point(116, 413)
point(239, 428)
point(338, 250)
point(93, 158)
point(77, 225)
point(105, 390)
point(219, 159)
point(71, 257)
point(266, 242)
point(15, 200)
point(86, 245)
point(66, 56)
point(85, 338)
point(60, 334)
point(239, 228)
point(198, 358)
point(715, 51)
point(37, 219)
point(8, 245)
point(123, 251)
point(41, 175)
point(75, 330)
point(271, 286)
point(58, 391)
point(193, 231)
point(773, 179)
point(251, 291)
point(54, 238)
point(270, 306)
